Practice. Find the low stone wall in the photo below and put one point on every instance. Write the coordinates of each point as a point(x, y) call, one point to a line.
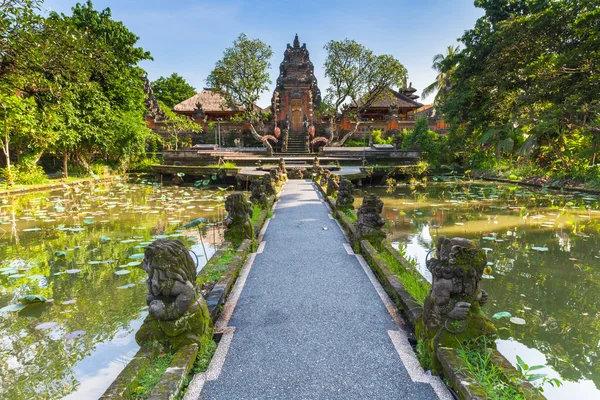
point(173, 379)
point(454, 368)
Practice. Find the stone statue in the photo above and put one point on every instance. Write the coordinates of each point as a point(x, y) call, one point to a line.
point(370, 221)
point(452, 315)
point(178, 315)
point(282, 166)
point(325, 177)
point(267, 181)
point(239, 218)
point(332, 184)
point(344, 198)
point(316, 168)
point(258, 194)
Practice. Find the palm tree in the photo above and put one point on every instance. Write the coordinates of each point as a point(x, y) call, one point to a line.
point(444, 64)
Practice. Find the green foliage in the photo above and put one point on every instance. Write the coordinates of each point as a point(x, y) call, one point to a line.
point(357, 76)
point(409, 278)
point(535, 378)
point(152, 376)
point(488, 375)
point(377, 139)
point(172, 90)
point(177, 126)
point(525, 87)
point(70, 85)
point(427, 141)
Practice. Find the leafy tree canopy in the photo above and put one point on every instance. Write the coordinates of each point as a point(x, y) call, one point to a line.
point(172, 90)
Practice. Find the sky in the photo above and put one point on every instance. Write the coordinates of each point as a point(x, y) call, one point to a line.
point(188, 37)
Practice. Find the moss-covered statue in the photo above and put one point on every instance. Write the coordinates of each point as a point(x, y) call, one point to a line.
point(178, 315)
point(345, 199)
point(269, 185)
point(258, 193)
point(452, 315)
point(370, 221)
point(282, 168)
point(239, 218)
point(325, 177)
point(316, 168)
point(333, 184)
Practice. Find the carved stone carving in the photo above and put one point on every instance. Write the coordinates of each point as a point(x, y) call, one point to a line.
point(270, 189)
point(370, 221)
point(282, 166)
point(332, 184)
point(258, 193)
point(345, 199)
point(452, 313)
point(297, 173)
point(178, 315)
point(239, 218)
point(325, 177)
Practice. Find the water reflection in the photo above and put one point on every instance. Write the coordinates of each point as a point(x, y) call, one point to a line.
point(81, 248)
point(543, 248)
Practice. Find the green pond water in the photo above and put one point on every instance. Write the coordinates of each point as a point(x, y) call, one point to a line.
point(544, 250)
point(80, 247)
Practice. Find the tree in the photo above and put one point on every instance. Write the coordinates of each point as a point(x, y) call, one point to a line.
point(444, 65)
point(534, 62)
point(241, 76)
point(175, 125)
point(358, 78)
point(172, 90)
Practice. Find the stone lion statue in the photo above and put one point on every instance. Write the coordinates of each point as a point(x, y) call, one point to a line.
point(178, 314)
point(239, 218)
point(369, 220)
point(345, 199)
point(452, 313)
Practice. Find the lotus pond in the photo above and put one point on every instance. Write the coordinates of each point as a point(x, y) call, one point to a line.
point(81, 248)
point(544, 251)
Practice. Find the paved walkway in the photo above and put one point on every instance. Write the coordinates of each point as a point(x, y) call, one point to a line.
point(310, 321)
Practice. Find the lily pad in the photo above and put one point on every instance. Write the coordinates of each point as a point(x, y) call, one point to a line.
point(517, 321)
point(126, 286)
point(75, 334)
point(194, 223)
point(539, 248)
point(89, 221)
point(105, 239)
point(72, 271)
point(32, 229)
point(13, 308)
point(122, 272)
point(46, 325)
point(502, 314)
point(60, 254)
point(67, 302)
point(32, 298)
point(137, 256)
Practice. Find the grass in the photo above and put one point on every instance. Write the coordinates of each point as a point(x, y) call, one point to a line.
point(256, 210)
point(214, 270)
point(200, 365)
point(152, 376)
point(226, 164)
point(351, 214)
point(413, 284)
point(488, 375)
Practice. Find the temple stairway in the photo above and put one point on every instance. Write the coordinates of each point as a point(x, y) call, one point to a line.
point(296, 144)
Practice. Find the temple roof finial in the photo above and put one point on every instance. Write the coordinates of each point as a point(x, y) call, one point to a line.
point(296, 41)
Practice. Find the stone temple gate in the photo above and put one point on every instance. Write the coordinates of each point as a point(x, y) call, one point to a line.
point(297, 93)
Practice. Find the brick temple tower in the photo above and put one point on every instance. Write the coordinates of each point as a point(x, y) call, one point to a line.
point(296, 93)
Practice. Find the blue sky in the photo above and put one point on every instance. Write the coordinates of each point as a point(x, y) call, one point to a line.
point(188, 37)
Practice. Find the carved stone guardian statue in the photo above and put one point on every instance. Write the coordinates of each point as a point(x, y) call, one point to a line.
point(345, 199)
point(370, 221)
point(178, 315)
point(332, 184)
point(452, 315)
point(239, 218)
point(325, 177)
point(258, 193)
point(267, 181)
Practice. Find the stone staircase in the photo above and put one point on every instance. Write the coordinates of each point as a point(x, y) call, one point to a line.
point(296, 144)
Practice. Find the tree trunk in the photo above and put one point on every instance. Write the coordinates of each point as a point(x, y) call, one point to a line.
point(66, 164)
point(260, 138)
point(341, 142)
point(6, 150)
point(85, 164)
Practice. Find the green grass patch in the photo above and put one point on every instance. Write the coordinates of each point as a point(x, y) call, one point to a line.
point(226, 164)
point(214, 270)
point(351, 214)
point(413, 284)
point(256, 210)
point(488, 375)
point(151, 376)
